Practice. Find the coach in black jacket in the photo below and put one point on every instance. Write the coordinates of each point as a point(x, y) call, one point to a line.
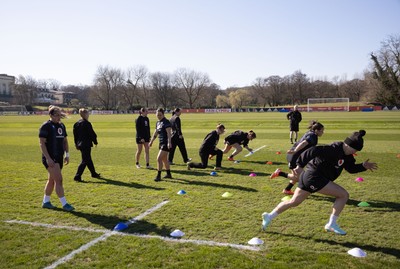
point(324, 165)
point(84, 138)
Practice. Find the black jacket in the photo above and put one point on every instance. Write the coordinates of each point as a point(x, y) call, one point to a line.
point(84, 135)
point(209, 142)
point(142, 127)
point(295, 116)
point(176, 126)
point(328, 161)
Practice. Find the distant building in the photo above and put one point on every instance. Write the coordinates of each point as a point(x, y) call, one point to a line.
point(6, 88)
point(53, 97)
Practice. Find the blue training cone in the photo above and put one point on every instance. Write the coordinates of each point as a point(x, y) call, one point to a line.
point(181, 192)
point(120, 226)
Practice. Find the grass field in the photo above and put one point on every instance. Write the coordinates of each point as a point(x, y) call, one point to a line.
point(294, 239)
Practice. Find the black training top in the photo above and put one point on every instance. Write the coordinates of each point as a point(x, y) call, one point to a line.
point(84, 135)
point(209, 142)
point(176, 126)
point(54, 134)
point(161, 127)
point(294, 115)
point(142, 127)
point(310, 137)
point(328, 161)
point(239, 137)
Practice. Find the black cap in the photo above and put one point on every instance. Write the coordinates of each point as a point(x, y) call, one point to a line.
point(355, 140)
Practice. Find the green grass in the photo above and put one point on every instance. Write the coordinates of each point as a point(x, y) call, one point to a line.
point(295, 239)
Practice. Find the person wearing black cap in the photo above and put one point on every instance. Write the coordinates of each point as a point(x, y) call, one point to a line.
point(209, 147)
point(324, 165)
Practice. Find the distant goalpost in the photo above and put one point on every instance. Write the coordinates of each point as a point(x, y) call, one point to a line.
point(328, 104)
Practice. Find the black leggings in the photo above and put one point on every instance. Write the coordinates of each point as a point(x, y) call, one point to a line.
point(86, 161)
point(204, 159)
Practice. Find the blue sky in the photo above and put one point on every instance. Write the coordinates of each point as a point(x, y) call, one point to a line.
point(234, 41)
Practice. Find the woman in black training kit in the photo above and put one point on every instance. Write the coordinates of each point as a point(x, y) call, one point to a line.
point(295, 118)
point(84, 138)
point(308, 140)
point(142, 137)
point(177, 137)
point(324, 165)
point(209, 147)
point(235, 140)
point(163, 131)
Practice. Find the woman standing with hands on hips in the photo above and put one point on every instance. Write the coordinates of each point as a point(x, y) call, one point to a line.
point(163, 131)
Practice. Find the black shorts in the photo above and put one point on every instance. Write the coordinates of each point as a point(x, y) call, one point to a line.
point(60, 161)
point(294, 126)
point(164, 147)
point(312, 183)
point(146, 140)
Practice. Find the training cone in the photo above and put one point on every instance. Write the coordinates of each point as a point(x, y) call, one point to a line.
point(363, 204)
point(286, 198)
point(213, 173)
point(120, 226)
point(357, 252)
point(398, 155)
point(278, 152)
point(269, 163)
point(227, 194)
point(255, 241)
point(177, 233)
point(359, 179)
point(236, 161)
point(181, 192)
point(252, 175)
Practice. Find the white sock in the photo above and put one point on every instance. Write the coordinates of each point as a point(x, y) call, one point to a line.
point(46, 198)
point(332, 220)
point(273, 215)
point(63, 201)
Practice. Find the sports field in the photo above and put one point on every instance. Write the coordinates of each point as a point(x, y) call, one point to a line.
point(217, 229)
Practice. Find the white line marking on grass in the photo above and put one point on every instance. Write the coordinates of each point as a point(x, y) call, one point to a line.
point(79, 250)
point(107, 233)
point(251, 153)
point(164, 238)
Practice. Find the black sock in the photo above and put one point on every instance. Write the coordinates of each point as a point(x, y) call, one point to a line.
point(147, 164)
point(169, 172)
point(137, 163)
point(289, 186)
point(283, 174)
point(231, 156)
point(158, 173)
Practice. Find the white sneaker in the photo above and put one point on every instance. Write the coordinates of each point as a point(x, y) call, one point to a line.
point(138, 166)
point(149, 167)
point(266, 220)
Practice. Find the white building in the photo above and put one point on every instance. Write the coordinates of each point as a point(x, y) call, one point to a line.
point(6, 88)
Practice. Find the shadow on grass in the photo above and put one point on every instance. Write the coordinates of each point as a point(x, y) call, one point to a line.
point(387, 250)
point(209, 184)
point(107, 222)
point(382, 205)
point(123, 184)
point(145, 227)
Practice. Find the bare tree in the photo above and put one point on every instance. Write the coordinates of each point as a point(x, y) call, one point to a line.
point(386, 70)
point(25, 90)
point(300, 84)
point(260, 87)
point(108, 83)
point(353, 89)
point(192, 83)
point(162, 88)
point(136, 78)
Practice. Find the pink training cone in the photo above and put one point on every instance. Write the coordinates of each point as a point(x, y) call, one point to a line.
point(359, 179)
point(252, 174)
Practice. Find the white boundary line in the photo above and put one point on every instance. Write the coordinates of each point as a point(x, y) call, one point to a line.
point(103, 237)
point(251, 153)
point(164, 238)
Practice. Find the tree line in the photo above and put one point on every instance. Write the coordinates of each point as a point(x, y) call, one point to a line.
point(117, 89)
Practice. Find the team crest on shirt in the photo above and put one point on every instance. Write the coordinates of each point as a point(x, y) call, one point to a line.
point(59, 131)
point(340, 162)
